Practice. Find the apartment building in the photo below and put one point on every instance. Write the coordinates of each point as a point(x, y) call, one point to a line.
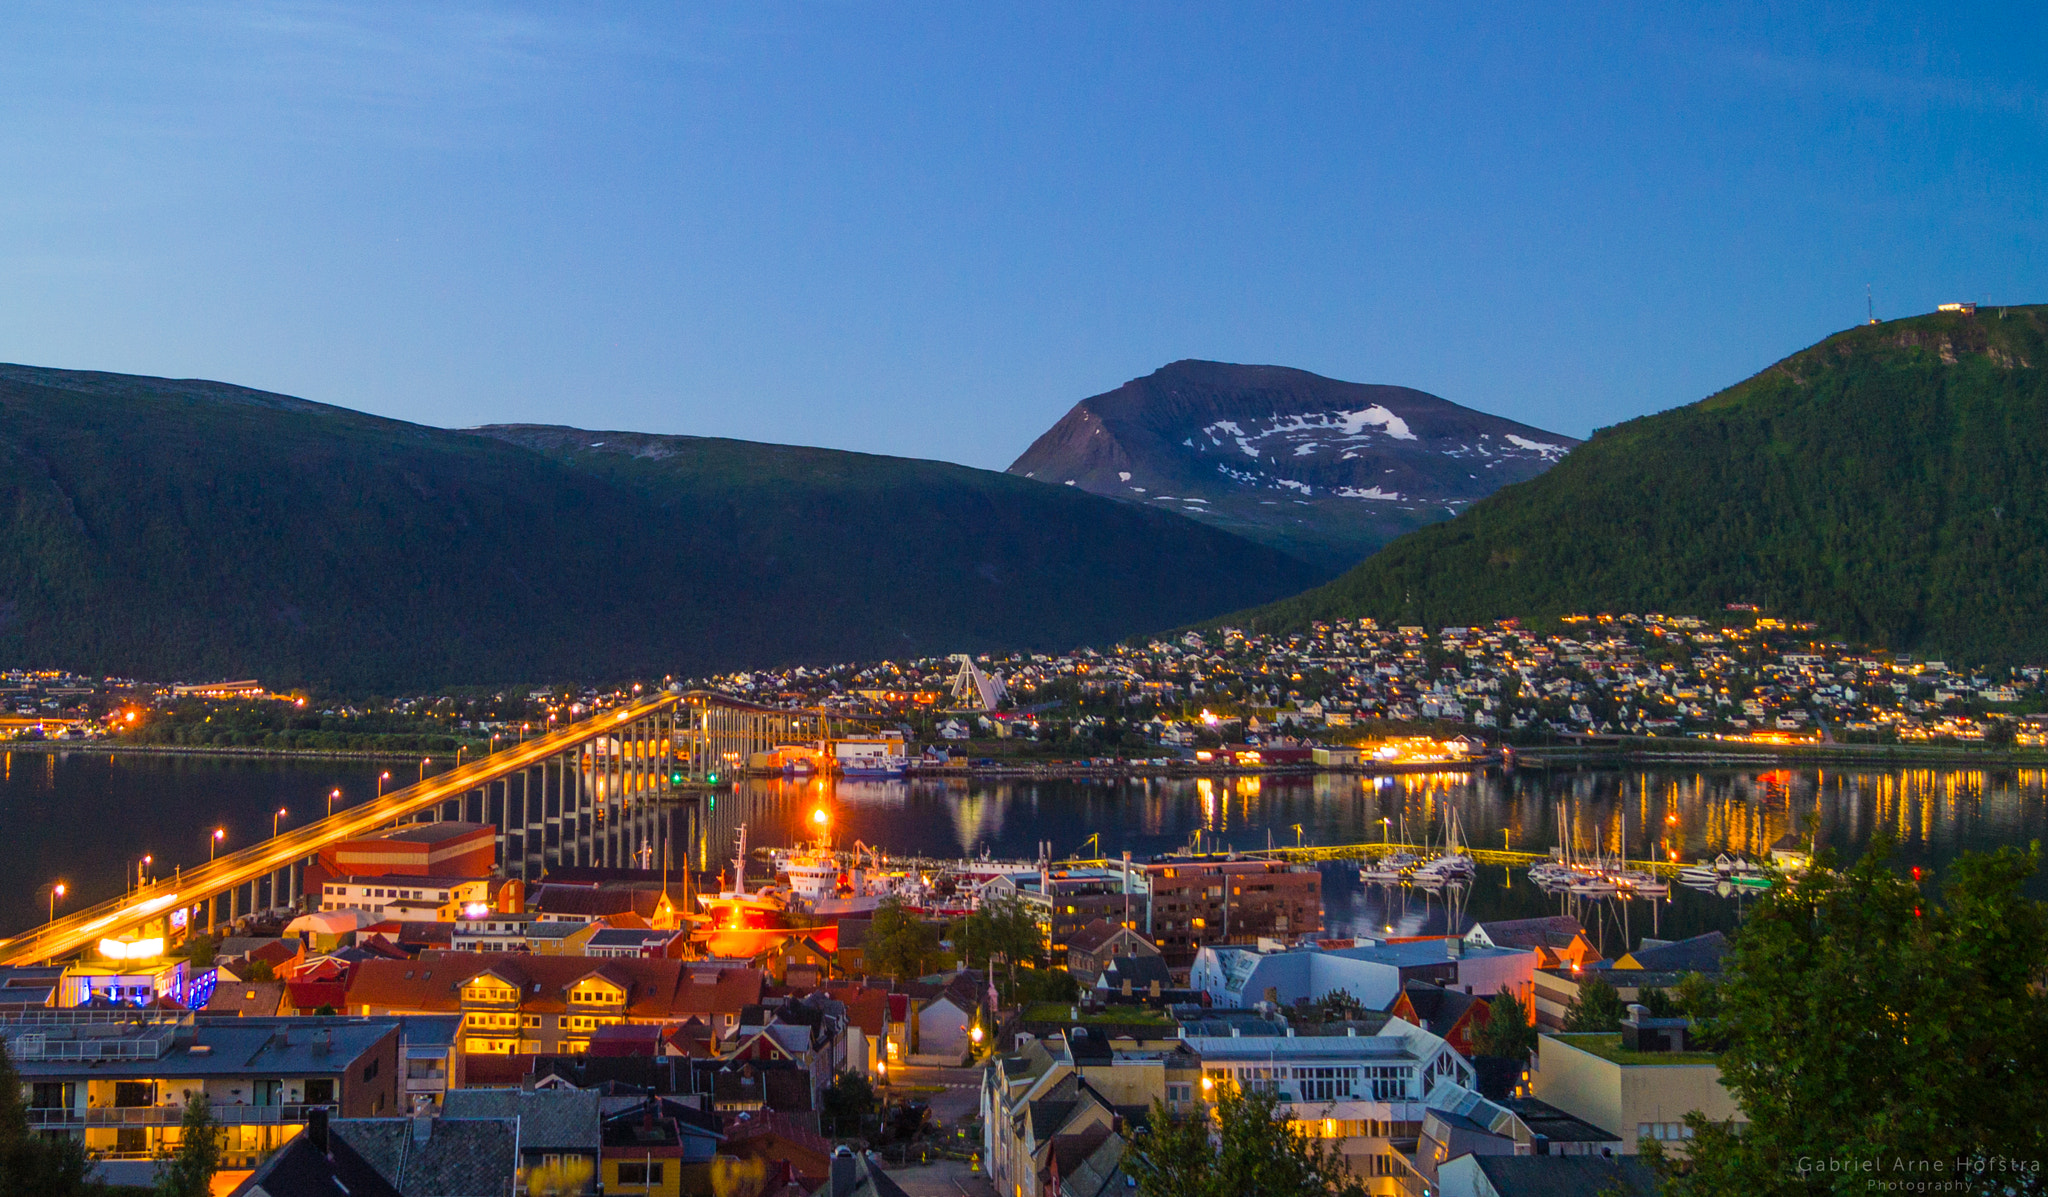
point(517, 1003)
point(119, 1079)
point(1217, 900)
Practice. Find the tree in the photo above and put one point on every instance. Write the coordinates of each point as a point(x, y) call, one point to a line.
point(1338, 1005)
point(30, 1163)
point(1001, 925)
point(1597, 1008)
point(1506, 1031)
point(846, 1103)
point(1863, 1021)
point(900, 944)
point(1247, 1148)
point(199, 949)
point(188, 1171)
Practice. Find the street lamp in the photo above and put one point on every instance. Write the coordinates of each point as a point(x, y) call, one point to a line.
point(424, 762)
point(213, 842)
point(142, 870)
point(1297, 835)
point(1386, 829)
point(273, 821)
point(56, 892)
point(333, 797)
point(381, 779)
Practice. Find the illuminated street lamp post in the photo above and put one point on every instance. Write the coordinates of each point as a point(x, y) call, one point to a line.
point(56, 892)
point(142, 870)
point(333, 797)
point(381, 779)
point(281, 812)
point(213, 842)
point(424, 762)
point(1297, 835)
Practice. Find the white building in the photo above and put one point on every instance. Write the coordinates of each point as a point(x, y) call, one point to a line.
point(1359, 1093)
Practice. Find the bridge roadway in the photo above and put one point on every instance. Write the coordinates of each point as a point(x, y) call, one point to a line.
point(155, 901)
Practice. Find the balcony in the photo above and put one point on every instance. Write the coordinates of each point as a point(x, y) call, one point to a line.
point(172, 1115)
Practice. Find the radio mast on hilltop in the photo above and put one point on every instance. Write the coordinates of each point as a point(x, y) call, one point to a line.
point(1869, 305)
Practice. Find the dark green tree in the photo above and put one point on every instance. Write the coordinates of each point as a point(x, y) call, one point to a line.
point(188, 1171)
point(30, 1163)
point(1247, 1148)
point(1864, 1021)
point(900, 944)
point(1597, 1008)
point(1001, 925)
point(846, 1103)
point(1506, 1032)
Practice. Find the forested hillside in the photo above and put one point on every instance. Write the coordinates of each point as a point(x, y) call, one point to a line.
point(176, 529)
point(1890, 482)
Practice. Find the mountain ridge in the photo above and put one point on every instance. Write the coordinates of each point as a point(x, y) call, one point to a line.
point(184, 528)
point(1325, 469)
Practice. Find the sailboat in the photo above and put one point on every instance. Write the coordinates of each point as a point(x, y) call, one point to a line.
point(1454, 864)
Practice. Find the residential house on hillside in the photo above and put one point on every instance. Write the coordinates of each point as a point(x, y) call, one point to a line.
point(1559, 941)
point(1090, 949)
point(1059, 1111)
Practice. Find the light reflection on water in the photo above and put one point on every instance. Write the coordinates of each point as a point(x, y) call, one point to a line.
point(86, 817)
point(1669, 814)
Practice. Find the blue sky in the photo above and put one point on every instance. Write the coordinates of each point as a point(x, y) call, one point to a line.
point(929, 229)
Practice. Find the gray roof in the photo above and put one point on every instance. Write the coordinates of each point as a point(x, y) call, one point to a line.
point(224, 1047)
point(436, 1157)
point(429, 1031)
point(1567, 1175)
point(549, 1119)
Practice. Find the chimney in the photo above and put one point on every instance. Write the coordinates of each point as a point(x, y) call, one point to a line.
point(843, 1174)
point(316, 1128)
point(422, 1127)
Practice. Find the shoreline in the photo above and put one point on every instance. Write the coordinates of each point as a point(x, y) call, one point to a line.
point(1639, 752)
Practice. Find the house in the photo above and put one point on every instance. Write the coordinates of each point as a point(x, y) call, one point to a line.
point(781, 1139)
point(1090, 949)
point(1700, 954)
point(1450, 1013)
point(556, 1126)
point(1055, 1113)
point(402, 897)
point(1557, 988)
point(1064, 901)
point(390, 1157)
point(1135, 976)
point(1559, 941)
point(120, 1084)
point(649, 1144)
point(942, 1031)
point(1637, 1095)
point(246, 999)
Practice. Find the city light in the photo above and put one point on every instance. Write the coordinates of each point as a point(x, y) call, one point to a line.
point(141, 949)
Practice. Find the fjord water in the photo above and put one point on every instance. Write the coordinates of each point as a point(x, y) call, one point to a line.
point(86, 818)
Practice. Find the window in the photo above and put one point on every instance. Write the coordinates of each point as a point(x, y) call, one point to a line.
point(370, 1070)
point(640, 1172)
point(320, 1092)
point(1663, 1132)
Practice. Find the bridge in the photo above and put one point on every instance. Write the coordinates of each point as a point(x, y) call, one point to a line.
point(584, 795)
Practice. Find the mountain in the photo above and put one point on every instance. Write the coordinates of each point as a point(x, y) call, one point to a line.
point(1889, 483)
point(1326, 470)
point(160, 528)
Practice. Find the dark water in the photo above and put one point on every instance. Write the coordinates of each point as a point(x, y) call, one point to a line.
point(86, 818)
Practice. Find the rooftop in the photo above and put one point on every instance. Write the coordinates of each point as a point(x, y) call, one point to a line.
point(1607, 1046)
